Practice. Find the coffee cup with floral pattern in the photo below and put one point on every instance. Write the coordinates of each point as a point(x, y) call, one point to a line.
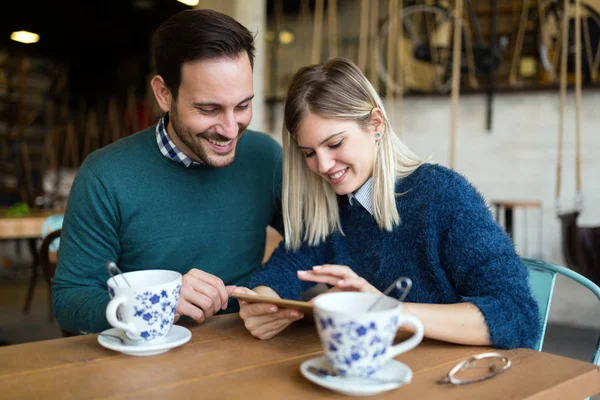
point(358, 342)
point(146, 310)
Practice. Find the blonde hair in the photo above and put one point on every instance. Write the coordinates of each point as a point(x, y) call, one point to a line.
point(337, 90)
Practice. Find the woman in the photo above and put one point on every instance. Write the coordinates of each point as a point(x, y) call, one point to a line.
point(360, 210)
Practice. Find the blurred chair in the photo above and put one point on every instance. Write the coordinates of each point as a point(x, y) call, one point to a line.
point(51, 224)
point(48, 257)
point(273, 239)
point(542, 276)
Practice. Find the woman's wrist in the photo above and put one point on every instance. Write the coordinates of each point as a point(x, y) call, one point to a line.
point(407, 309)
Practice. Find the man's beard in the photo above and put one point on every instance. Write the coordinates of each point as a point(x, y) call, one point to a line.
point(194, 143)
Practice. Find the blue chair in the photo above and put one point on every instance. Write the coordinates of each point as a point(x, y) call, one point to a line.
point(542, 276)
point(53, 223)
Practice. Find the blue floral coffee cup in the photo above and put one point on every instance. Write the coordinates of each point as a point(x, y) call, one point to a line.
point(146, 310)
point(358, 342)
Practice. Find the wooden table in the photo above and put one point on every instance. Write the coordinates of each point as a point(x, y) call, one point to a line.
point(509, 206)
point(25, 227)
point(222, 361)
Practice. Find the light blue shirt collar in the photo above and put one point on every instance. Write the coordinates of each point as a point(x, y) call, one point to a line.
point(364, 196)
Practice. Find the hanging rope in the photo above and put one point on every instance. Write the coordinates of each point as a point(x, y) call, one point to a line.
point(332, 27)
point(596, 64)
point(278, 24)
point(558, 51)
point(391, 55)
point(399, 93)
point(363, 35)
point(71, 149)
point(373, 77)
point(518, 45)
point(92, 135)
point(456, 64)
point(430, 34)
point(317, 32)
point(305, 13)
point(578, 100)
point(544, 33)
point(588, 47)
point(473, 82)
point(563, 97)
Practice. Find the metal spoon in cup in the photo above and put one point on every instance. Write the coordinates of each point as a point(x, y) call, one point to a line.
point(403, 284)
point(113, 270)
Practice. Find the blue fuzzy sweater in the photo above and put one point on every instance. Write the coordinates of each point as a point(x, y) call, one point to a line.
point(447, 243)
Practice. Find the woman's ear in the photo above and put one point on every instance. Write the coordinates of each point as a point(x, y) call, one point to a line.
point(377, 122)
point(161, 93)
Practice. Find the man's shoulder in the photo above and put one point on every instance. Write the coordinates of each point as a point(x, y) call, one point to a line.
point(259, 140)
point(259, 146)
point(118, 152)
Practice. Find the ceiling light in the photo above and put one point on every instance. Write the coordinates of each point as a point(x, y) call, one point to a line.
point(25, 37)
point(286, 37)
point(189, 2)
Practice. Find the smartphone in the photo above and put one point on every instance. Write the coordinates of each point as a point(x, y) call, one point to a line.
point(303, 306)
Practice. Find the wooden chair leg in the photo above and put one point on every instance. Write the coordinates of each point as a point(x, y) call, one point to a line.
point(33, 279)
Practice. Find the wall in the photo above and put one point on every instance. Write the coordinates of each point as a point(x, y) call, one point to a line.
point(252, 14)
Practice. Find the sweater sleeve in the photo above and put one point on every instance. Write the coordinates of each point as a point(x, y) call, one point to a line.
point(280, 272)
point(89, 239)
point(483, 266)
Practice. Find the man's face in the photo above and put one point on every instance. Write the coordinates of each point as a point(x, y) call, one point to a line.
point(213, 108)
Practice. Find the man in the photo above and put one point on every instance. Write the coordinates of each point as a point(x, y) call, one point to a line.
point(193, 194)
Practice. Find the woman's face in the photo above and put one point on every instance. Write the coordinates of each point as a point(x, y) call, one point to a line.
point(338, 150)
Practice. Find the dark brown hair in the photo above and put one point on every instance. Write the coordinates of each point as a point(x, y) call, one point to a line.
point(193, 35)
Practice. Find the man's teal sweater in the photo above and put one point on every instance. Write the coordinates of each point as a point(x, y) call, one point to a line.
point(132, 205)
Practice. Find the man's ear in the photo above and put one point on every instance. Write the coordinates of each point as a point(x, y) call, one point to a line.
point(161, 93)
point(377, 122)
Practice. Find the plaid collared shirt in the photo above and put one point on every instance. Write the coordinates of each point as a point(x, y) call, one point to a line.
point(364, 196)
point(167, 147)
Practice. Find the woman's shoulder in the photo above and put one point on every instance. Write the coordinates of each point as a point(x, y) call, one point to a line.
point(439, 183)
point(431, 175)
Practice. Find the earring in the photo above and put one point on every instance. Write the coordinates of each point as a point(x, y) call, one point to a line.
point(377, 135)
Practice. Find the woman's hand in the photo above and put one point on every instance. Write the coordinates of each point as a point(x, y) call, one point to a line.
point(264, 320)
point(341, 277)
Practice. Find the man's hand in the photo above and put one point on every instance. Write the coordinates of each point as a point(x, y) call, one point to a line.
point(202, 295)
point(264, 320)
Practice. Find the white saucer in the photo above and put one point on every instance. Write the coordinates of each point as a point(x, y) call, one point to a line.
point(177, 336)
point(350, 386)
